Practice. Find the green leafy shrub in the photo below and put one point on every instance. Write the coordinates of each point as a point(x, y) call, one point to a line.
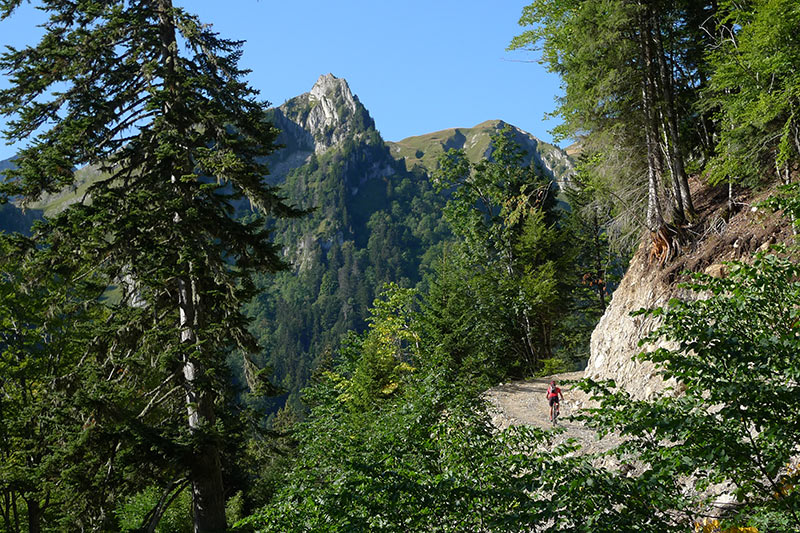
point(732, 427)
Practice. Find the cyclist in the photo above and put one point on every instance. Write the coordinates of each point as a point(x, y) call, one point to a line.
point(553, 395)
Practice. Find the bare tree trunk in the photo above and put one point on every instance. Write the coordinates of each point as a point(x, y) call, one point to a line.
point(796, 135)
point(15, 510)
point(682, 193)
point(600, 271)
point(5, 509)
point(205, 472)
point(655, 215)
point(730, 197)
point(678, 215)
point(34, 516)
point(528, 345)
point(663, 241)
point(168, 496)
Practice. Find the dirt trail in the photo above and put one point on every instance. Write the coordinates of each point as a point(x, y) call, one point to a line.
point(525, 403)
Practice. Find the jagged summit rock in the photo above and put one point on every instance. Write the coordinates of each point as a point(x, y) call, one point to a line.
point(326, 115)
point(335, 112)
point(316, 121)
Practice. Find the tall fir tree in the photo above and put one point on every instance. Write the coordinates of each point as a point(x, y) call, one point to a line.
point(155, 99)
point(628, 68)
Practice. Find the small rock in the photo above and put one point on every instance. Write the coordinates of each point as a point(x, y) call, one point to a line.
point(717, 270)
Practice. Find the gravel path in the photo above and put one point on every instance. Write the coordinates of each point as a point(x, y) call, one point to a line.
point(525, 403)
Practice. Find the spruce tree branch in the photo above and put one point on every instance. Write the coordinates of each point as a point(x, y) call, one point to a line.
point(156, 402)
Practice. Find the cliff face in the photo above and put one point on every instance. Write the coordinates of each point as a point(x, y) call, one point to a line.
point(615, 340)
point(324, 116)
point(718, 237)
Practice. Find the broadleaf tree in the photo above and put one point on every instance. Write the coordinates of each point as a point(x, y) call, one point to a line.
point(424, 455)
point(754, 88)
point(156, 101)
point(505, 217)
point(731, 427)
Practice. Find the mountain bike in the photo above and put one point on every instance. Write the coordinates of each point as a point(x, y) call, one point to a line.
point(556, 410)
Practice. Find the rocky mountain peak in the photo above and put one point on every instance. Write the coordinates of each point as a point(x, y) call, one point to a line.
point(335, 114)
point(336, 101)
point(317, 121)
point(324, 117)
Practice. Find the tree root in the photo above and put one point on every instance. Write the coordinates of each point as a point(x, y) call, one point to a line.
point(666, 244)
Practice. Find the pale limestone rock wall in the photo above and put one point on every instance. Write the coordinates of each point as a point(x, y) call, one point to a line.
point(615, 340)
point(334, 106)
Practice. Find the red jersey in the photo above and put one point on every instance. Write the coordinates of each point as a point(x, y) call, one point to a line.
point(553, 391)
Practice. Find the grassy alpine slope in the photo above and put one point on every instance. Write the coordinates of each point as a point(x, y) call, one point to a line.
point(425, 150)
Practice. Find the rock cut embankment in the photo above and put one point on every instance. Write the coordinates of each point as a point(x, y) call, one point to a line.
point(719, 236)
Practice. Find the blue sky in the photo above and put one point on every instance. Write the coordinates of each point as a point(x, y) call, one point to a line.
point(418, 66)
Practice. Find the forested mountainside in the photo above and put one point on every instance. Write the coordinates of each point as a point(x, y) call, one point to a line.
point(375, 218)
point(6, 164)
point(370, 222)
point(11, 217)
point(685, 113)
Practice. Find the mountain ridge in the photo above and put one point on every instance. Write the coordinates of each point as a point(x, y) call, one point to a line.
point(424, 150)
point(329, 114)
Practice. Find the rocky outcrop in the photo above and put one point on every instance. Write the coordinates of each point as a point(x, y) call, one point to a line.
point(615, 340)
point(335, 113)
point(719, 237)
point(315, 122)
point(324, 117)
